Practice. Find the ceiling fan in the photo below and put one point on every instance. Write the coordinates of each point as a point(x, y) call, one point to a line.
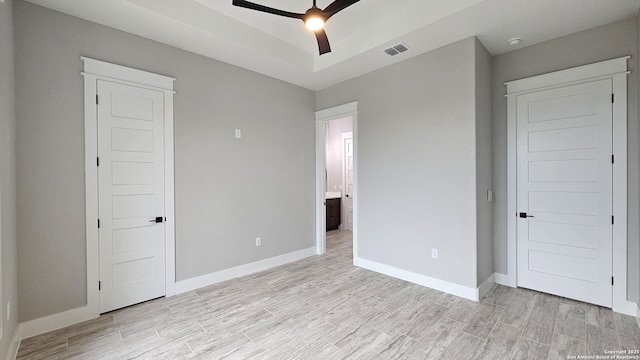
point(314, 18)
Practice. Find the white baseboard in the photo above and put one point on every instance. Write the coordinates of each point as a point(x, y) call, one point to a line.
point(12, 351)
point(484, 288)
point(242, 270)
point(433, 283)
point(55, 321)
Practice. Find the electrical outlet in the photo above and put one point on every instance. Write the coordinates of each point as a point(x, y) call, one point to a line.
point(238, 133)
point(9, 310)
point(258, 241)
point(434, 253)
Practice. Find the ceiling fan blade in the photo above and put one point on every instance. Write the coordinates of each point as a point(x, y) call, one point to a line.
point(337, 6)
point(258, 7)
point(323, 41)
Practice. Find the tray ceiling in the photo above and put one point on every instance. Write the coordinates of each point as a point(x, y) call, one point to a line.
point(282, 48)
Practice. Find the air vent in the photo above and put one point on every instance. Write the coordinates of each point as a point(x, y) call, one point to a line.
point(397, 49)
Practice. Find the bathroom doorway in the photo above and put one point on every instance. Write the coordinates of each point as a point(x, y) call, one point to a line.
point(339, 174)
point(336, 175)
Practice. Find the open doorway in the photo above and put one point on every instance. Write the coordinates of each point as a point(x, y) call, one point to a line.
point(336, 179)
point(339, 174)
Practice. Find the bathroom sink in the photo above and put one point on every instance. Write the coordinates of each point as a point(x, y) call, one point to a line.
point(333, 194)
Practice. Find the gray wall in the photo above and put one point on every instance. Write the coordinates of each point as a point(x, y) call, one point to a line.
point(484, 162)
point(637, 263)
point(598, 44)
point(228, 191)
point(7, 176)
point(416, 162)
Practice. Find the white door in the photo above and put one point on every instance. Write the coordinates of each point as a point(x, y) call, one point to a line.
point(564, 171)
point(131, 195)
point(347, 162)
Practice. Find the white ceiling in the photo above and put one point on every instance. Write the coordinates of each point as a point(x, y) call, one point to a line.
point(283, 48)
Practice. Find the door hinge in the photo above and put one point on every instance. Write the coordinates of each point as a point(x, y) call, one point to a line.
point(98, 161)
point(99, 285)
point(98, 223)
point(612, 281)
point(612, 98)
point(613, 159)
point(96, 99)
point(612, 220)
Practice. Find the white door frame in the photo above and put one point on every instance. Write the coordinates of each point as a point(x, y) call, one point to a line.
point(95, 70)
point(322, 117)
point(616, 70)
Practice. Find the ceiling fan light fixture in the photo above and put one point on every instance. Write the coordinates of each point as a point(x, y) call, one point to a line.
point(314, 19)
point(314, 23)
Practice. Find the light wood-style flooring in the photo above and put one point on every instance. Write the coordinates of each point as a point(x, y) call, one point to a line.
point(325, 308)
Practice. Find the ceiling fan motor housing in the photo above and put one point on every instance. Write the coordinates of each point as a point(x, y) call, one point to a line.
point(314, 18)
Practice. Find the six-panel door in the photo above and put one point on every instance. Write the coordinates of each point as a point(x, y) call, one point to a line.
point(564, 150)
point(131, 194)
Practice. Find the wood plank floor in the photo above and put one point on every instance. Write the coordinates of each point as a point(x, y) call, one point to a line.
point(325, 308)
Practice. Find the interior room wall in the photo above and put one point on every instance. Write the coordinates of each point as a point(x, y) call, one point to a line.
point(8, 250)
point(484, 161)
point(637, 300)
point(602, 43)
point(417, 162)
point(228, 191)
point(334, 151)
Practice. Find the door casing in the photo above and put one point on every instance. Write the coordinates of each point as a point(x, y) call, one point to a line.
point(93, 71)
point(616, 70)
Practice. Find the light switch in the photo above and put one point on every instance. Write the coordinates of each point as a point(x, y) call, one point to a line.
point(238, 133)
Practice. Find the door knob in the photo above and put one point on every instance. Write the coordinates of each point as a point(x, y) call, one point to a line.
point(158, 219)
point(524, 215)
